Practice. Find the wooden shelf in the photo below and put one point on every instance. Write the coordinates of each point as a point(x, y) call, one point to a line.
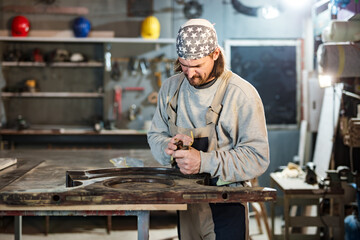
point(55, 64)
point(23, 64)
point(90, 40)
point(54, 94)
point(70, 131)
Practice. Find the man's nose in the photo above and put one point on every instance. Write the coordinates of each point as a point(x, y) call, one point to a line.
point(190, 72)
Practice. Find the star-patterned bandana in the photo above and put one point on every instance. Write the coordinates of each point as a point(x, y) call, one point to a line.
point(196, 39)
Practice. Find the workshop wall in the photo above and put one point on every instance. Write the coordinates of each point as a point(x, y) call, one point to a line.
point(112, 15)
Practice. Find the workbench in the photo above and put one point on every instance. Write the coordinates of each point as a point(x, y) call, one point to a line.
point(296, 192)
point(85, 182)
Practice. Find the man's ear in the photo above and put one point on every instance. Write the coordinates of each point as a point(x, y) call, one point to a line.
point(216, 54)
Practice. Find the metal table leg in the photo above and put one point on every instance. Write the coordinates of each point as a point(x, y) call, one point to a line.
point(18, 227)
point(143, 225)
point(143, 217)
point(272, 213)
point(287, 216)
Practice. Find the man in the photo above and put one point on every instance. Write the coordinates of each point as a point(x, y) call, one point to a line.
point(222, 117)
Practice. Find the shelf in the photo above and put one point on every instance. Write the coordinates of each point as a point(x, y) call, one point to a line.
point(23, 64)
point(56, 64)
point(90, 40)
point(70, 131)
point(54, 94)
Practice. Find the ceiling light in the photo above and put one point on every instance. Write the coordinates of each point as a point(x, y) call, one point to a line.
point(325, 81)
point(269, 12)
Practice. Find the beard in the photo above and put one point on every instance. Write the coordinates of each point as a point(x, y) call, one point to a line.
point(196, 80)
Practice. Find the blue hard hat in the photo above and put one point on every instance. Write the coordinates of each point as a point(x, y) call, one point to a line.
point(81, 27)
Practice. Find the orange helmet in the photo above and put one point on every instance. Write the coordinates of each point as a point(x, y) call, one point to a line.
point(20, 26)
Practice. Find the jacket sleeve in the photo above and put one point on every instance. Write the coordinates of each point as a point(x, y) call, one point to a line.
point(158, 135)
point(246, 155)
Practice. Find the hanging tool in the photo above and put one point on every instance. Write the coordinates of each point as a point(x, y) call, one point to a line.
point(117, 103)
point(133, 111)
point(133, 65)
point(115, 71)
point(153, 96)
point(144, 66)
point(118, 92)
point(158, 78)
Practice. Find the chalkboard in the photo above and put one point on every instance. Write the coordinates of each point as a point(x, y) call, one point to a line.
point(273, 68)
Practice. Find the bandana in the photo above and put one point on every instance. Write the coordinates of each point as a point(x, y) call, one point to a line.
point(196, 39)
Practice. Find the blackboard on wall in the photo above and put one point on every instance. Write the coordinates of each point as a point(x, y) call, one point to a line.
point(273, 68)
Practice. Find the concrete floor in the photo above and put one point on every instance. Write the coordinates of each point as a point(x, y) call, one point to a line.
point(162, 227)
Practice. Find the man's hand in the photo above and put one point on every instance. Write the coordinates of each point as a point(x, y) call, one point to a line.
point(188, 160)
point(172, 147)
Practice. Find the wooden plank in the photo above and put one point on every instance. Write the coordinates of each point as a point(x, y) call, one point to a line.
point(113, 207)
point(327, 129)
point(287, 184)
point(304, 202)
point(297, 236)
point(310, 221)
point(6, 162)
point(296, 187)
point(7, 177)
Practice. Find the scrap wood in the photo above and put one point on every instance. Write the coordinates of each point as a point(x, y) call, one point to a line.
point(7, 162)
point(352, 136)
point(292, 170)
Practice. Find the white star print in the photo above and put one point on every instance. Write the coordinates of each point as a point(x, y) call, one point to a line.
point(195, 41)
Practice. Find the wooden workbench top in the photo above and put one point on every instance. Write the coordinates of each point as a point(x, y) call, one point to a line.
point(40, 179)
point(297, 185)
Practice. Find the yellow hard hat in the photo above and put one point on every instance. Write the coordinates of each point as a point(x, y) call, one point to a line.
point(150, 28)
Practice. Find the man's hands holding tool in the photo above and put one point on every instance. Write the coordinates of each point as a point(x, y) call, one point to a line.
point(187, 158)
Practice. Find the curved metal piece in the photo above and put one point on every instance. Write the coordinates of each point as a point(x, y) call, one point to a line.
point(75, 177)
point(241, 8)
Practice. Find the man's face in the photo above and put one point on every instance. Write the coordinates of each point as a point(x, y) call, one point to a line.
point(198, 71)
